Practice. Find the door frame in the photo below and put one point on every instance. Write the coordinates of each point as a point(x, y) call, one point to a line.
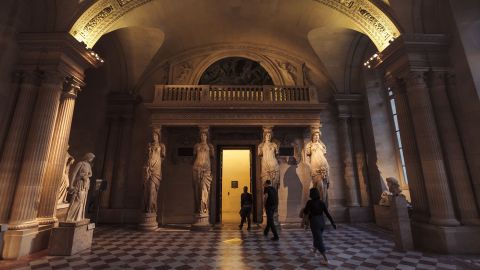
point(253, 188)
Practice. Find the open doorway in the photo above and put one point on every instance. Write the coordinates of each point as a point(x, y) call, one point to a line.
point(235, 173)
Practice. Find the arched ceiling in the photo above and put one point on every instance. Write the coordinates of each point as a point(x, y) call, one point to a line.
point(104, 16)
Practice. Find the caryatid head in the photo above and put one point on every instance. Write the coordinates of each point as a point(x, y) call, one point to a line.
point(267, 134)
point(156, 134)
point(315, 134)
point(203, 134)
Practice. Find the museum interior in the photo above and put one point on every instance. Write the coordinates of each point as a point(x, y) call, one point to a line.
point(139, 123)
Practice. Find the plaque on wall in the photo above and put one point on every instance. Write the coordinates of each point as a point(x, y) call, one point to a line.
point(234, 184)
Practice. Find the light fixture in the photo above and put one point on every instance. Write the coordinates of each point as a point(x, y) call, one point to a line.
point(373, 60)
point(94, 54)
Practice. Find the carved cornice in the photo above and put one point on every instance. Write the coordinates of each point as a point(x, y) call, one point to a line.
point(415, 52)
point(98, 18)
point(55, 53)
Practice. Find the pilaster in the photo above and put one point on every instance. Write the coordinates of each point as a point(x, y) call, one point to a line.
point(454, 155)
point(416, 183)
point(11, 158)
point(430, 151)
point(349, 170)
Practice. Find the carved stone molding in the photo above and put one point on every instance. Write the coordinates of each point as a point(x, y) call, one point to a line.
point(415, 52)
point(375, 23)
point(66, 56)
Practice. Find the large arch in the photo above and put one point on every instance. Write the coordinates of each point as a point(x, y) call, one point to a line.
point(367, 17)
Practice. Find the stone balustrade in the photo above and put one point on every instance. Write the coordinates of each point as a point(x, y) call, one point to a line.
point(230, 94)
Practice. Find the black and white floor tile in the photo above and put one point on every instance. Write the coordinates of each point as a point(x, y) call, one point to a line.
point(349, 247)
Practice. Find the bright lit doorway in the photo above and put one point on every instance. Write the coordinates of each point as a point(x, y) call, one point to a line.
point(235, 174)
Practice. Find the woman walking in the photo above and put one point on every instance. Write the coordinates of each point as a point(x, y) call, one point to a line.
point(315, 209)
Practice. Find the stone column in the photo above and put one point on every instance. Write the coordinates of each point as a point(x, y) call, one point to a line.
point(349, 169)
point(455, 157)
point(55, 56)
point(56, 157)
point(430, 151)
point(360, 161)
point(15, 142)
point(416, 184)
point(23, 224)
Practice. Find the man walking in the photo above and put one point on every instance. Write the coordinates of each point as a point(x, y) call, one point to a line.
point(246, 204)
point(270, 197)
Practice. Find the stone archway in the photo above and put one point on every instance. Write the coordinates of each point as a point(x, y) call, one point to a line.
point(368, 17)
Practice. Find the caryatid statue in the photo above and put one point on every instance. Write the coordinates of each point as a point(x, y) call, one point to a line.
point(317, 151)
point(63, 191)
point(152, 171)
point(202, 173)
point(268, 150)
point(80, 184)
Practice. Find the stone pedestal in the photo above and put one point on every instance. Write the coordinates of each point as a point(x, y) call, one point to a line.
point(359, 214)
point(18, 243)
point(401, 226)
point(383, 218)
point(148, 222)
point(71, 237)
point(201, 222)
point(443, 239)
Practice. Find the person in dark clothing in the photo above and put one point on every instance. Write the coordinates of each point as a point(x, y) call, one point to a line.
point(270, 196)
point(315, 208)
point(246, 204)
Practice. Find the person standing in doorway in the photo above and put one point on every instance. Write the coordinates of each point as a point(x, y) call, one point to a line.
point(246, 204)
point(271, 205)
point(315, 209)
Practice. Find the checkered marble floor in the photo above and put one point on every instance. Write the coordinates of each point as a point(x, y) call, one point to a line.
point(349, 247)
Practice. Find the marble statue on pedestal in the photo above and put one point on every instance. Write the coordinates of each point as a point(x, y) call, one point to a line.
point(202, 174)
point(268, 151)
point(152, 174)
point(393, 190)
point(316, 151)
point(80, 184)
point(65, 184)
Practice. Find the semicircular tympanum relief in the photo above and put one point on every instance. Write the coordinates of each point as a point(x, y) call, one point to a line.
point(235, 71)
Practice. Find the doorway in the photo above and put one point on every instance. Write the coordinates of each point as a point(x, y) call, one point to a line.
point(235, 173)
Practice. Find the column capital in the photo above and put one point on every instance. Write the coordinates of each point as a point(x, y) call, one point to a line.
point(416, 79)
point(72, 87)
point(435, 78)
